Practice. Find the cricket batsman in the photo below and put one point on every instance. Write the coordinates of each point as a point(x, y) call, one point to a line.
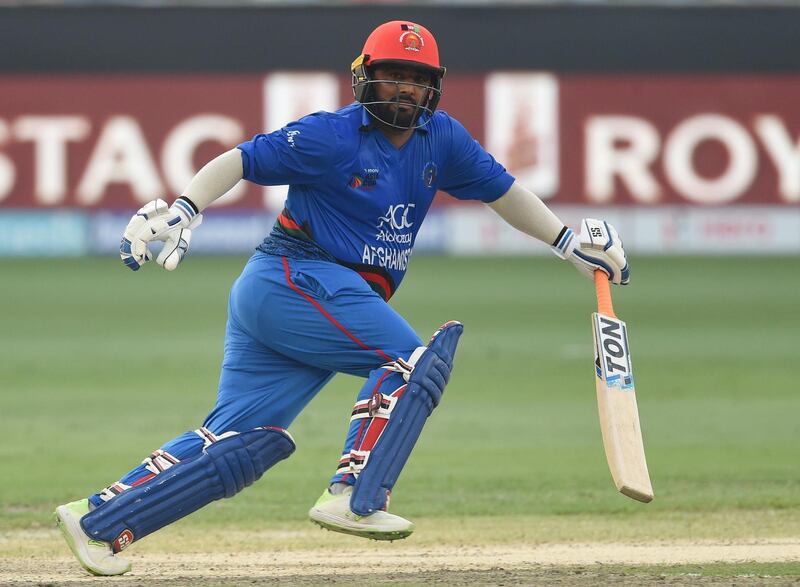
point(312, 300)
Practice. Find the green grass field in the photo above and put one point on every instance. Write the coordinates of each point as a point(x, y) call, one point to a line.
point(100, 366)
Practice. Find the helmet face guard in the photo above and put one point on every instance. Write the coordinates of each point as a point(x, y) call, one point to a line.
point(400, 44)
point(386, 110)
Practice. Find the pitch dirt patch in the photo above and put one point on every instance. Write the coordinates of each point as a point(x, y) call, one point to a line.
point(38, 558)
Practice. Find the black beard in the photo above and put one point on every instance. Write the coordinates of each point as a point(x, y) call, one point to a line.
point(386, 112)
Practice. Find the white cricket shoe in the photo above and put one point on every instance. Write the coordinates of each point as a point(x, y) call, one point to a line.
point(332, 511)
point(93, 555)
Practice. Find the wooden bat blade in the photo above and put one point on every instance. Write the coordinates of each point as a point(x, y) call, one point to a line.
point(619, 414)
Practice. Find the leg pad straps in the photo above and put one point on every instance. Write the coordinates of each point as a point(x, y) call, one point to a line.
point(423, 392)
point(222, 470)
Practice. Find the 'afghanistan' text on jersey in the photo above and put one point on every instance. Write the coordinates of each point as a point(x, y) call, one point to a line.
point(358, 196)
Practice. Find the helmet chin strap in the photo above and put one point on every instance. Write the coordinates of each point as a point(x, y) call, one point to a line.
point(378, 108)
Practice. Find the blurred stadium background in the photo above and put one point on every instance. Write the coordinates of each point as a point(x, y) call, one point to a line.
point(677, 121)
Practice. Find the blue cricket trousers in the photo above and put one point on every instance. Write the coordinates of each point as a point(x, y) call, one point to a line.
point(292, 324)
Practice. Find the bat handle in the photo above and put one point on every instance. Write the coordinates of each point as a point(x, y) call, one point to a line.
point(603, 288)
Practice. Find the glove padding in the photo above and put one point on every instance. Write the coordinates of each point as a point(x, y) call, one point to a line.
point(176, 245)
point(156, 221)
point(597, 247)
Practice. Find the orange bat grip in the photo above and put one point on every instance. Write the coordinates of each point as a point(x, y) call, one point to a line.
point(603, 288)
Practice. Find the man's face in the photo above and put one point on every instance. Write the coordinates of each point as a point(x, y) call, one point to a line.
point(403, 88)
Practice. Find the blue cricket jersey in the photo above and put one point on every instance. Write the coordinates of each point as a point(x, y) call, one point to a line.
point(355, 198)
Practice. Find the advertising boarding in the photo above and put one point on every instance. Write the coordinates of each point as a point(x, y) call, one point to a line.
point(681, 163)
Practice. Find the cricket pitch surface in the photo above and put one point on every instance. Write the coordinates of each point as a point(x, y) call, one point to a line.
point(308, 557)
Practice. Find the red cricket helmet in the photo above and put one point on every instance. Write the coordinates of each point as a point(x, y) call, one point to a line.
point(404, 43)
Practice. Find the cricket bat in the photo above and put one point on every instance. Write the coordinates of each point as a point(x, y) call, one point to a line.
point(616, 398)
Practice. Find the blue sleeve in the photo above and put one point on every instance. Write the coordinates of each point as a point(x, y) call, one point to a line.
point(471, 173)
point(302, 152)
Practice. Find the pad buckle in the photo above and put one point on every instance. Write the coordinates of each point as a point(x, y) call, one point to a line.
point(405, 367)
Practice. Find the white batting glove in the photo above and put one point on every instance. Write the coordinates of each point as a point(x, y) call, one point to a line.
point(176, 244)
point(597, 247)
point(156, 221)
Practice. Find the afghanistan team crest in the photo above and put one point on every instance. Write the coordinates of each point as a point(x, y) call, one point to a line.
point(410, 38)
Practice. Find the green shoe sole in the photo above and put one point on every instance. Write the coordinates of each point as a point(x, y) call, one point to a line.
point(71, 543)
point(73, 547)
point(373, 535)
